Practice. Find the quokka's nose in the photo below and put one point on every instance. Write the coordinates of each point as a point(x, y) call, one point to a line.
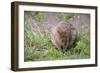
point(62, 47)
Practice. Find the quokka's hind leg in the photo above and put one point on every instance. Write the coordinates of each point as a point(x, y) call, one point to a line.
point(55, 42)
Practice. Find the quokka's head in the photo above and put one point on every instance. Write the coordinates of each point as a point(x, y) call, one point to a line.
point(64, 39)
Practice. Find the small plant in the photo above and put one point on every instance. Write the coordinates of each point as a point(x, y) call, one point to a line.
point(39, 47)
point(65, 16)
point(37, 16)
point(83, 44)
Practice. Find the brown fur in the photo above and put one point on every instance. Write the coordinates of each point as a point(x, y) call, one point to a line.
point(63, 35)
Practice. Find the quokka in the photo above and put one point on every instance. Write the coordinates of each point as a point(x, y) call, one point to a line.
point(63, 35)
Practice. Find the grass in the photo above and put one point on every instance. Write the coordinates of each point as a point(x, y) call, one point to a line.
point(65, 16)
point(38, 46)
point(38, 16)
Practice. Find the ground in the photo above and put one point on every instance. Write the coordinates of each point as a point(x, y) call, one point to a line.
point(37, 41)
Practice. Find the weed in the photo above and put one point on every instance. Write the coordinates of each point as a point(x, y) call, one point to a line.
point(38, 47)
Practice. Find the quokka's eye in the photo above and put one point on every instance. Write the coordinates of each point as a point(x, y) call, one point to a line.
point(62, 40)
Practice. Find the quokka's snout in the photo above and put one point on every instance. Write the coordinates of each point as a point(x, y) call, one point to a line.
point(63, 35)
